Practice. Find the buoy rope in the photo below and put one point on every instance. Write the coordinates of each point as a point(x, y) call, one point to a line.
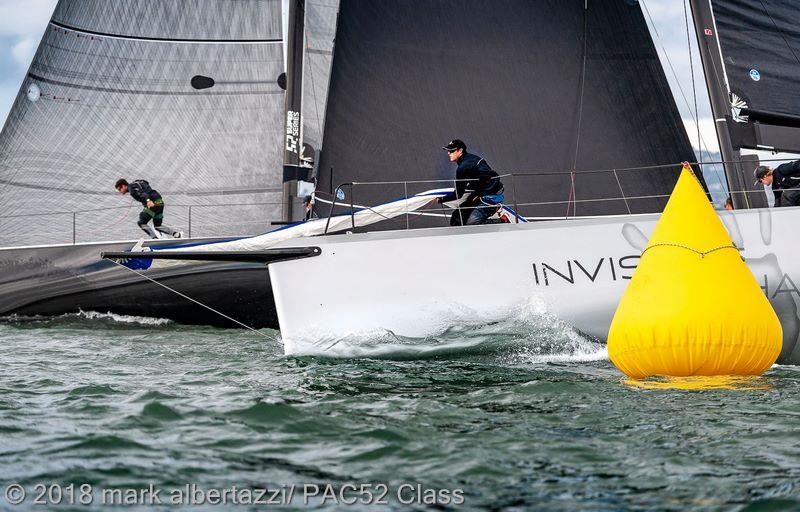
point(696, 251)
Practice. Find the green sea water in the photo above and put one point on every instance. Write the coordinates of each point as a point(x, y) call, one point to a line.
point(512, 416)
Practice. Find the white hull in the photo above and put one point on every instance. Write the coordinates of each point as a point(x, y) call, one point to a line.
point(420, 282)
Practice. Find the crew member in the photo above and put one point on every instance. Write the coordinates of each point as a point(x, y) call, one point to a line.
point(476, 178)
point(785, 182)
point(153, 207)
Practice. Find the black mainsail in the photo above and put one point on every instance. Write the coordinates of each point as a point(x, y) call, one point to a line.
point(760, 42)
point(540, 86)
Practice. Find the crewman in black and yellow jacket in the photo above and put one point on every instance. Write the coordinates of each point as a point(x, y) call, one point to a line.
point(153, 204)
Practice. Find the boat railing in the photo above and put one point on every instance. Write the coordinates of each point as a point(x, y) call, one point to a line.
point(344, 195)
point(201, 220)
point(195, 220)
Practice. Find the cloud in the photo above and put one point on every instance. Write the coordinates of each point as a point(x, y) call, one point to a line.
point(25, 18)
point(22, 23)
point(23, 51)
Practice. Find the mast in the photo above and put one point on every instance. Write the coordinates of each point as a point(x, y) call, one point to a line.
point(713, 70)
point(293, 145)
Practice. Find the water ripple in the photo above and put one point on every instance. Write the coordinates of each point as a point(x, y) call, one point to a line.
point(521, 415)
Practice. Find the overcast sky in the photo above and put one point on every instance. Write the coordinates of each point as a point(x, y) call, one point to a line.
point(22, 23)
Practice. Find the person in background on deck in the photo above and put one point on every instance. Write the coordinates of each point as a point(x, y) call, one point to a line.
point(785, 182)
point(153, 207)
point(475, 177)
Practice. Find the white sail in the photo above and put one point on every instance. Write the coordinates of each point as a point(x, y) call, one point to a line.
point(111, 97)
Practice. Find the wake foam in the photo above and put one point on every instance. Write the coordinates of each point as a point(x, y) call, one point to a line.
point(528, 334)
point(86, 315)
point(122, 319)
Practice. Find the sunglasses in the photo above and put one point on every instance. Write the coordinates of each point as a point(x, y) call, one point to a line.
point(452, 150)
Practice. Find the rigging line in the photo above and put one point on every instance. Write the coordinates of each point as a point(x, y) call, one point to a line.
point(783, 36)
point(113, 223)
point(193, 300)
point(571, 193)
point(365, 208)
point(671, 67)
point(583, 82)
point(580, 106)
point(694, 85)
point(696, 119)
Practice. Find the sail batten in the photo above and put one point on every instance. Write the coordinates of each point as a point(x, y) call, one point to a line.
point(42, 79)
point(184, 19)
point(78, 31)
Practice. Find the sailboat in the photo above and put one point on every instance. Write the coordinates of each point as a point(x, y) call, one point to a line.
point(419, 282)
point(550, 91)
point(202, 113)
point(192, 98)
point(541, 87)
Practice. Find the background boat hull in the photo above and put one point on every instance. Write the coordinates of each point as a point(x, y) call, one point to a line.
point(53, 280)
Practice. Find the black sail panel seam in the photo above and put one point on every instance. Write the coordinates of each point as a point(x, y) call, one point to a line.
point(160, 39)
point(150, 93)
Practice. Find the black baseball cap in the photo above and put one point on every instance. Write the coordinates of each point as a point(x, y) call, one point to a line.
point(454, 145)
point(759, 172)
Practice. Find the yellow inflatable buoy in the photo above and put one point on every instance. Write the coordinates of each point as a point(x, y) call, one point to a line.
point(692, 306)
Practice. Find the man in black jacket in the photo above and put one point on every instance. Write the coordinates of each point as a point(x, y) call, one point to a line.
point(476, 179)
point(785, 182)
point(153, 206)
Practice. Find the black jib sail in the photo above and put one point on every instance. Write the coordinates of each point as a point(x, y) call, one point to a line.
point(183, 94)
point(760, 45)
point(531, 86)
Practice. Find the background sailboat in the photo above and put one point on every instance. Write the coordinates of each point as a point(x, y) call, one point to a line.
point(109, 94)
